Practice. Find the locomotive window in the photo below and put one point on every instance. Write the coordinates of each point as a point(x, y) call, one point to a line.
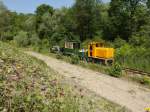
point(76, 45)
point(91, 47)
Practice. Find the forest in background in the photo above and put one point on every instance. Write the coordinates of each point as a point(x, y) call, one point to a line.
point(123, 24)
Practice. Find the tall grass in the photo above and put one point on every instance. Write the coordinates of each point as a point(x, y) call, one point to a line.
point(134, 57)
point(27, 84)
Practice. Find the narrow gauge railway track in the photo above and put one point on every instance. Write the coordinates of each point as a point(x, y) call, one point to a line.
point(135, 71)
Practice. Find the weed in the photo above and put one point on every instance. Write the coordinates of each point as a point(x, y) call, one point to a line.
point(145, 80)
point(115, 70)
point(59, 56)
point(27, 84)
point(75, 59)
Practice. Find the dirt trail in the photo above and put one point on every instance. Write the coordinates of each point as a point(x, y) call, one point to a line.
point(122, 92)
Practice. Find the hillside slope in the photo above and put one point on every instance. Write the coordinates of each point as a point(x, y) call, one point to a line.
point(27, 84)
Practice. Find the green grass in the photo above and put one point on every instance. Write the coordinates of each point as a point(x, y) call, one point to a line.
point(134, 57)
point(27, 84)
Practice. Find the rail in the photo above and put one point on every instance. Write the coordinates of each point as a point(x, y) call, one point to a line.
point(134, 71)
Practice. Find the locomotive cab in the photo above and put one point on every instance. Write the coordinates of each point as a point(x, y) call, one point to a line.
point(92, 46)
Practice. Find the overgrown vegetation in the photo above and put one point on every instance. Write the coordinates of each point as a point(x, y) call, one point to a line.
point(27, 84)
point(115, 70)
point(75, 60)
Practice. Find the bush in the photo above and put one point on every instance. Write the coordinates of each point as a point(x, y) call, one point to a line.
point(134, 57)
point(59, 56)
point(118, 42)
point(115, 70)
point(122, 53)
point(34, 40)
point(75, 59)
point(45, 43)
point(7, 36)
point(145, 80)
point(137, 40)
point(22, 39)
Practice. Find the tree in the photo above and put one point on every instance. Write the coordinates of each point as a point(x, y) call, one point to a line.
point(34, 39)
point(148, 4)
point(44, 9)
point(43, 14)
point(29, 23)
point(124, 17)
point(2, 7)
point(85, 13)
point(62, 27)
point(5, 23)
point(19, 22)
point(22, 39)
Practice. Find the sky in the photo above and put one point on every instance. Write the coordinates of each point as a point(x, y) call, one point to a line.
point(29, 6)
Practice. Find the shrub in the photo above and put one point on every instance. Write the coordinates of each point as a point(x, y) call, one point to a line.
point(59, 56)
point(45, 43)
point(118, 42)
point(34, 40)
point(145, 80)
point(122, 53)
point(75, 59)
point(22, 39)
point(138, 40)
point(7, 36)
point(115, 70)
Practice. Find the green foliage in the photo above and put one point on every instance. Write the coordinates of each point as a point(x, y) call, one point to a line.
point(43, 16)
point(22, 39)
point(44, 9)
point(133, 57)
point(86, 10)
point(75, 59)
point(137, 40)
point(62, 27)
point(118, 42)
point(30, 24)
point(122, 53)
point(125, 17)
point(141, 38)
point(5, 22)
point(2, 7)
point(59, 56)
point(34, 40)
point(148, 3)
point(145, 80)
point(7, 36)
point(116, 70)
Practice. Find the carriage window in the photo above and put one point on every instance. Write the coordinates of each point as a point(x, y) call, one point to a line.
point(97, 45)
point(91, 48)
point(76, 45)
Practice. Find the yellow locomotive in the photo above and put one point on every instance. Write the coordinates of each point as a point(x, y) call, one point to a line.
point(97, 52)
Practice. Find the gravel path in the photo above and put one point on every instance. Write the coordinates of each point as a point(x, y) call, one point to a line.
point(122, 92)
